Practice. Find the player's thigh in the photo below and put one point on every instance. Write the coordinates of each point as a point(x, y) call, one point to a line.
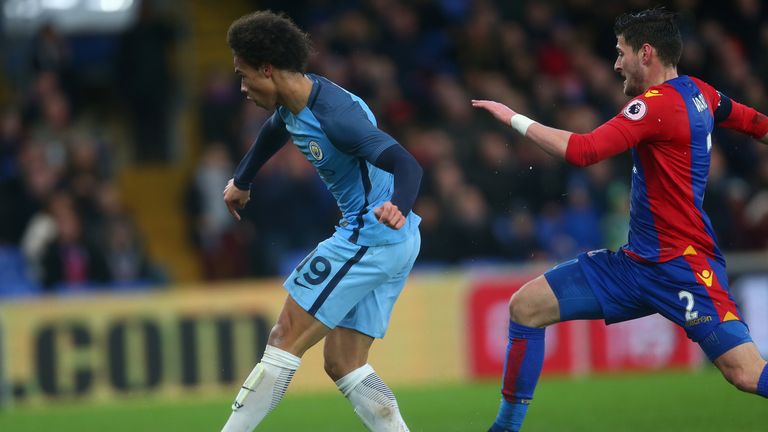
point(594, 285)
point(598, 284)
point(692, 291)
point(345, 350)
point(296, 330)
point(330, 282)
point(535, 304)
point(371, 315)
point(742, 366)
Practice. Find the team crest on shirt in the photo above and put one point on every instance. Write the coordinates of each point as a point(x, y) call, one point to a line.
point(316, 151)
point(635, 110)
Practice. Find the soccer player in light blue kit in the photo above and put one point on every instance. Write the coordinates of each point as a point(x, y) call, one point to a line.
point(345, 289)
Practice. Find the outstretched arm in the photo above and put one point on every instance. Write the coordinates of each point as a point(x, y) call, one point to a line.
point(608, 140)
point(551, 140)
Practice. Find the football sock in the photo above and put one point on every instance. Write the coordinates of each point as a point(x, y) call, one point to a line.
point(262, 390)
point(522, 367)
point(372, 400)
point(762, 383)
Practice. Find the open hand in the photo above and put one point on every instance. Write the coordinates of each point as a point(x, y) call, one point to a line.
point(502, 112)
point(235, 198)
point(390, 215)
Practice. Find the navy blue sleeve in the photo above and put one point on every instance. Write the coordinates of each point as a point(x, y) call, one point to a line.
point(350, 130)
point(272, 137)
point(396, 160)
point(347, 125)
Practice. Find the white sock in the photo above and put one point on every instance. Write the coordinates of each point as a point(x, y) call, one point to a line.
point(372, 400)
point(262, 390)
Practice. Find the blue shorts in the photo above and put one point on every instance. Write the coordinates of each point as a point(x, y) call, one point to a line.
point(346, 285)
point(691, 291)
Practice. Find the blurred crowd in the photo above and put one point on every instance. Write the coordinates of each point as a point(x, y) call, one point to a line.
point(63, 225)
point(487, 195)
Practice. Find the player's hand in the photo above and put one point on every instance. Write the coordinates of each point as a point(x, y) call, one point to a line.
point(390, 215)
point(235, 198)
point(502, 112)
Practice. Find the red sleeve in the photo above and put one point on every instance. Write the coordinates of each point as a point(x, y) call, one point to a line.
point(746, 120)
point(730, 114)
point(602, 143)
point(637, 122)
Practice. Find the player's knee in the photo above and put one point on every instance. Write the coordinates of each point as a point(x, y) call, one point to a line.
point(277, 334)
point(741, 379)
point(337, 365)
point(520, 311)
point(333, 367)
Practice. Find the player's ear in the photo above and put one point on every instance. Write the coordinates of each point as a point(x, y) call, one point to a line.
point(267, 70)
point(645, 53)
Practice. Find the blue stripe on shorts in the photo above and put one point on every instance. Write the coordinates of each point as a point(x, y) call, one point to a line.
point(336, 279)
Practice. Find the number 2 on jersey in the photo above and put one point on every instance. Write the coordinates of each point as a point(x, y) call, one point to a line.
point(690, 314)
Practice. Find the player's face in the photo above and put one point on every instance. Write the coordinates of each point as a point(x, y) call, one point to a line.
point(628, 65)
point(256, 84)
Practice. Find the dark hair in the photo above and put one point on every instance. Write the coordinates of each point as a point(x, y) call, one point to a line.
point(265, 37)
point(653, 26)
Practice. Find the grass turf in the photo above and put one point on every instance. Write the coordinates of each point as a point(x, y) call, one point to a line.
point(679, 402)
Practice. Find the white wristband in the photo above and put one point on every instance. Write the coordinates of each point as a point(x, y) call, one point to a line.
point(521, 123)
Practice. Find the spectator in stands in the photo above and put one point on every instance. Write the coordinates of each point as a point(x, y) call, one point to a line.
point(128, 264)
point(70, 262)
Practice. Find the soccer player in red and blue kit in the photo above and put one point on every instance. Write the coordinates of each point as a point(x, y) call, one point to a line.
point(671, 264)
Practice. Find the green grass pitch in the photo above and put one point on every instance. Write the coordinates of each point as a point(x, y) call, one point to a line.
point(675, 402)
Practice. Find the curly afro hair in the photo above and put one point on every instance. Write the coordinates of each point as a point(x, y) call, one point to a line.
point(265, 37)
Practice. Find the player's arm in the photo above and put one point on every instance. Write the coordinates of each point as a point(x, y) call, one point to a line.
point(551, 140)
point(407, 172)
point(272, 137)
point(730, 114)
point(350, 130)
point(581, 150)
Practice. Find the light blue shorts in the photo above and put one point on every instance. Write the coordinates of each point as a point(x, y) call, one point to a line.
point(346, 285)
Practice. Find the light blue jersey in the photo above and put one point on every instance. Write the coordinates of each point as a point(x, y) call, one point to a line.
point(354, 278)
point(337, 134)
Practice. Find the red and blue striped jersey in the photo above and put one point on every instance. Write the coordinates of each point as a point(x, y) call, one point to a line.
point(668, 131)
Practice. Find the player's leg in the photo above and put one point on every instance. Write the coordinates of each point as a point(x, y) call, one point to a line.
point(320, 296)
point(531, 308)
point(346, 362)
point(347, 346)
point(322, 289)
point(693, 292)
point(295, 332)
point(743, 367)
point(564, 293)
